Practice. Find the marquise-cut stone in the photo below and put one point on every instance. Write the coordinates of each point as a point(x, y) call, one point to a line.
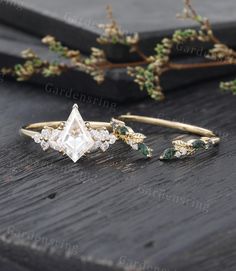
point(75, 138)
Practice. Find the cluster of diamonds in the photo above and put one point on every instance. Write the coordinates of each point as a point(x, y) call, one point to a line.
point(74, 138)
point(49, 138)
point(102, 139)
point(127, 135)
point(182, 148)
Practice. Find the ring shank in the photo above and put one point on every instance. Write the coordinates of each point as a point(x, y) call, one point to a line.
point(170, 124)
point(32, 129)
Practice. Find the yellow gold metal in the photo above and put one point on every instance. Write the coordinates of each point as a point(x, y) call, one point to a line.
point(76, 137)
point(170, 124)
point(31, 129)
point(180, 148)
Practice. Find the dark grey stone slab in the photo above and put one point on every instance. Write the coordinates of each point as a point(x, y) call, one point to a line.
point(118, 86)
point(99, 206)
point(74, 22)
point(60, 19)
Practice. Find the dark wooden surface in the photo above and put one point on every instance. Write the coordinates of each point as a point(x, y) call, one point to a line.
point(115, 209)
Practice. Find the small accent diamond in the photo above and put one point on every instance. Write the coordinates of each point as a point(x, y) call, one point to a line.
point(134, 146)
point(183, 151)
point(112, 139)
point(45, 145)
point(37, 138)
point(46, 133)
point(104, 146)
point(96, 146)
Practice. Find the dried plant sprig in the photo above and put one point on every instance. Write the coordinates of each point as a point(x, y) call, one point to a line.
point(147, 72)
point(231, 86)
point(112, 33)
point(32, 66)
point(149, 77)
point(222, 52)
point(58, 48)
point(148, 80)
point(205, 34)
point(91, 64)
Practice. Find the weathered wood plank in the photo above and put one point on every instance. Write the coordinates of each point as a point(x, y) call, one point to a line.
point(117, 207)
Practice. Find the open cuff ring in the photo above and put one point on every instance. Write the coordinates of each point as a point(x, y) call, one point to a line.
point(181, 147)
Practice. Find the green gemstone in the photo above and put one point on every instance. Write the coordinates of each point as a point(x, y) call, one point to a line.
point(123, 130)
point(198, 144)
point(169, 154)
point(143, 148)
point(18, 67)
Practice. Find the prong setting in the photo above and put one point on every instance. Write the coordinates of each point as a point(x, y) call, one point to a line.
point(127, 135)
point(183, 148)
point(75, 137)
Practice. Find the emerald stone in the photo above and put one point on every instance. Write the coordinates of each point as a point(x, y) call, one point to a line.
point(144, 149)
point(123, 130)
point(197, 144)
point(169, 154)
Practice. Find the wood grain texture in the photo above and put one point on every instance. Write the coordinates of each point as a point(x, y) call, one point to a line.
point(117, 210)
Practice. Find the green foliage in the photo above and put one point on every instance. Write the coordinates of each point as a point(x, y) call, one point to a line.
point(231, 86)
point(147, 73)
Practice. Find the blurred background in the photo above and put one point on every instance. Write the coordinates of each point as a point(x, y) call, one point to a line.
point(24, 23)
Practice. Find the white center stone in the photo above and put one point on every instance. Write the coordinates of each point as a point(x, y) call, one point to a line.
point(75, 138)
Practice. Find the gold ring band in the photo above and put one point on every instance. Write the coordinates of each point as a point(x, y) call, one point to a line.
point(169, 124)
point(29, 130)
point(75, 137)
point(181, 148)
